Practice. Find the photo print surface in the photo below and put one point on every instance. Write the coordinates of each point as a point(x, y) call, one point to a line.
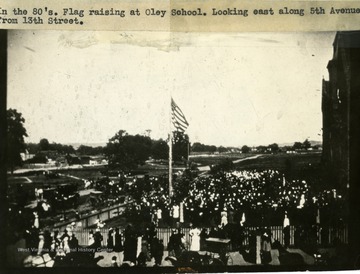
point(223, 151)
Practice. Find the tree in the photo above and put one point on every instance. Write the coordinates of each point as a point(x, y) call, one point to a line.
point(222, 149)
point(212, 149)
point(159, 149)
point(306, 144)
point(180, 146)
point(32, 148)
point(261, 149)
point(39, 158)
point(44, 144)
point(198, 147)
point(15, 138)
point(62, 149)
point(274, 148)
point(88, 150)
point(297, 145)
point(245, 149)
point(127, 151)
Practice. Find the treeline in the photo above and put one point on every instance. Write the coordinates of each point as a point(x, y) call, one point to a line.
point(123, 150)
point(271, 148)
point(199, 147)
point(129, 151)
point(44, 145)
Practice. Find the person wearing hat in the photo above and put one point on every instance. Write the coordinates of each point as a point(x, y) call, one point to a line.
point(266, 248)
point(203, 236)
point(159, 252)
point(73, 241)
point(118, 247)
point(172, 242)
point(179, 245)
point(110, 240)
point(97, 238)
point(130, 244)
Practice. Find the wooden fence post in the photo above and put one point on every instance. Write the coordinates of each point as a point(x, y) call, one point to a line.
point(258, 246)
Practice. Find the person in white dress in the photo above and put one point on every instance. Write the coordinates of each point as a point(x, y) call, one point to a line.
point(159, 216)
point(41, 244)
point(65, 243)
point(195, 239)
point(41, 194)
point(175, 214)
point(224, 219)
point(91, 239)
point(36, 220)
point(286, 231)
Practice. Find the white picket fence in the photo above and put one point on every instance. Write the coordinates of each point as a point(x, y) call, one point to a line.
point(276, 234)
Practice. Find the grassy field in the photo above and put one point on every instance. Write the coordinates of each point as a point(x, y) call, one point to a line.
point(85, 173)
point(265, 161)
point(282, 161)
point(217, 158)
point(293, 163)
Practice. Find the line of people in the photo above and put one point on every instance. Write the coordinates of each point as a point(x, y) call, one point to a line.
point(138, 247)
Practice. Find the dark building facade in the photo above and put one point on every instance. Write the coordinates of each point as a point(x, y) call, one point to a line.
point(341, 131)
point(338, 96)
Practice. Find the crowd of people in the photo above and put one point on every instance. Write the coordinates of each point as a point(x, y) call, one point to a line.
point(61, 247)
point(263, 196)
point(138, 247)
point(51, 202)
point(246, 191)
point(226, 202)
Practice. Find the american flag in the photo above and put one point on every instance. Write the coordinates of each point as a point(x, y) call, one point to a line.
point(177, 117)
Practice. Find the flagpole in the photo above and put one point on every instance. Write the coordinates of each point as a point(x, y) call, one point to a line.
point(170, 153)
point(176, 118)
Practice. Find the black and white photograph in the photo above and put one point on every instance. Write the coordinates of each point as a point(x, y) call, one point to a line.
point(180, 152)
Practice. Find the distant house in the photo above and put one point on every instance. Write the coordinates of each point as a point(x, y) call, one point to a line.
point(61, 161)
point(26, 155)
point(85, 160)
point(73, 159)
point(93, 160)
point(50, 154)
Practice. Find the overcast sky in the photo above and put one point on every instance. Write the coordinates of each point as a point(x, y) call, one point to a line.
point(234, 89)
